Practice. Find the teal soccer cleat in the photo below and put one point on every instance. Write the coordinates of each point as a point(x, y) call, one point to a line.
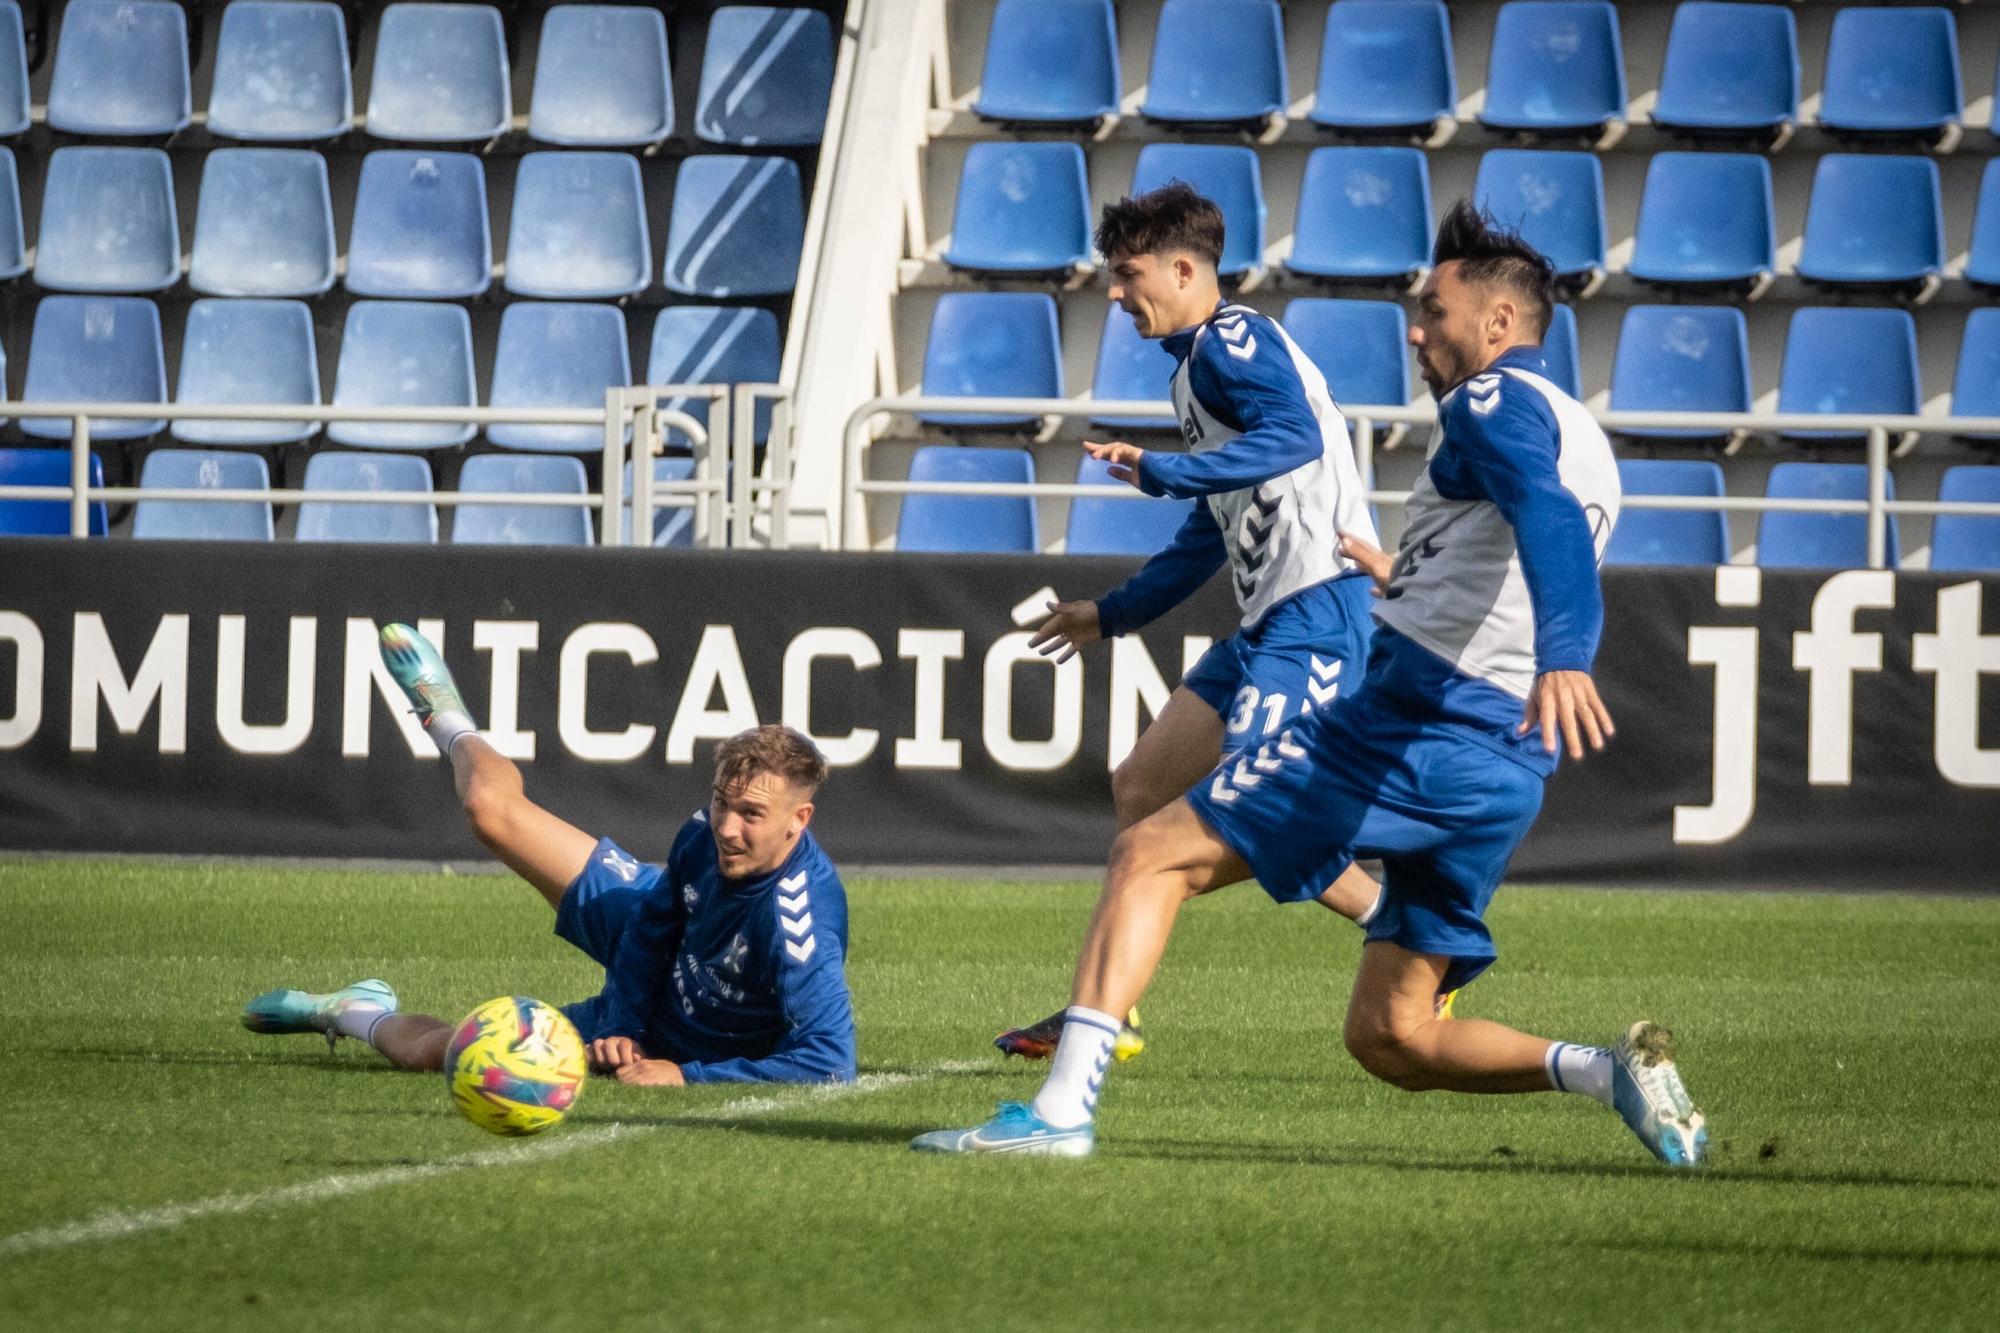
point(1647, 1092)
point(416, 666)
point(1014, 1128)
point(276, 1012)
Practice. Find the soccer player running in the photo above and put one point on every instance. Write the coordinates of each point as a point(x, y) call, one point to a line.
point(725, 965)
point(1479, 672)
point(1271, 467)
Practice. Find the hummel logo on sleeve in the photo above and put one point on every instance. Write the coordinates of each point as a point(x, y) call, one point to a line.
point(795, 917)
point(1483, 392)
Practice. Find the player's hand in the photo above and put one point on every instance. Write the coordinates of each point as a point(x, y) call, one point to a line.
point(615, 1053)
point(651, 1074)
point(1069, 627)
point(1372, 558)
point(1566, 702)
point(1124, 458)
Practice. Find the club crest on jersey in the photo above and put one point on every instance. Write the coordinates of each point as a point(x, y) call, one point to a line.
point(736, 954)
point(625, 867)
point(1483, 392)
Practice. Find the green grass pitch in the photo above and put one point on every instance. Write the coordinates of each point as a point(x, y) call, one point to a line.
point(166, 1169)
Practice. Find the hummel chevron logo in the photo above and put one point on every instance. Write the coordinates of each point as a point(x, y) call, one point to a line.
point(1230, 782)
point(1243, 777)
point(801, 952)
point(1484, 394)
point(792, 885)
point(792, 906)
point(796, 926)
point(1245, 588)
point(1325, 683)
point(1266, 507)
point(1266, 762)
point(1287, 749)
point(1219, 789)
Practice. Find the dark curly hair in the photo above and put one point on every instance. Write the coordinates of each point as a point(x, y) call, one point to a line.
point(1173, 217)
point(1490, 252)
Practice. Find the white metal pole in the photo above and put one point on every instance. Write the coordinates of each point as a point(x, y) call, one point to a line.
point(79, 476)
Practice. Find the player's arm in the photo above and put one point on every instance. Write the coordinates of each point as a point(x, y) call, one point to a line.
point(819, 1045)
point(1250, 384)
point(1167, 579)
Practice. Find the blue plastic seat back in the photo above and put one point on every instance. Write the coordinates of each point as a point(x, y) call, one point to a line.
point(108, 222)
point(992, 345)
point(440, 74)
point(44, 518)
point(420, 227)
point(104, 349)
point(1555, 200)
point(1730, 67)
point(578, 230)
point(1705, 217)
point(121, 68)
point(1386, 65)
point(1050, 61)
point(198, 520)
point(737, 226)
point(673, 524)
point(1119, 527)
point(1224, 173)
point(1975, 388)
point(1360, 346)
point(14, 115)
point(1806, 540)
point(1967, 541)
point(1363, 213)
point(1891, 69)
point(1555, 65)
point(522, 525)
point(1217, 61)
point(1849, 361)
point(557, 355)
point(1681, 359)
point(695, 344)
point(281, 72)
point(1559, 352)
point(404, 354)
point(1669, 536)
point(263, 225)
point(248, 352)
point(1982, 265)
point(360, 521)
point(1132, 369)
point(986, 523)
point(1873, 219)
point(602, 78)
point(1021, 208)
point(765, 77)
point(13, 243)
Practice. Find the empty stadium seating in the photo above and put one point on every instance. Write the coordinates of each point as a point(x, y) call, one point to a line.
point(522, 525)
point(1669, 536)
point(13, 235)
point(1119, 527)
point(1705, 218)
point(1852, 240)
point(1807, 540)
point(1849, 361)
point(440, 74)
point(1555, 66)
point(988, 523)
point(44, 518)
point(209, 470)
point(557, 355)
point(121, 69)
point(1225, 173)
point(247, 352)
point(1891, 70)
point(263, 224)
point(673, 523)
point(1975, 388)
point(602, 78)
point(765, 76)
point(108, 221)
point(420, 228)
point(1681, 359)
point(404, 354)
point(1050, 62)
point(1554, 198)
point(1967, 541)
point(992, 345)
point(1730, 68)
point(95, 349)
point(1217, 62)
point(713, 345)
point(737, 226)
point(1385, 66)
point(1982, 264)
point(1364, 213)
point(1131, 369)
point(1559, 352)
point(281, 72)
point(578, 230)
point(1360, 346)
point(362, 521)
point(1022, 208)
point(14, 114)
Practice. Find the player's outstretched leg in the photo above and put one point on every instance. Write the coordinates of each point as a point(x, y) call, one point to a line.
point(415, 664)
point(1037, 1041)
point(351, 1011)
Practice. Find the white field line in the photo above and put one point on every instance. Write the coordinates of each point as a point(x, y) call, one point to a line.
point(119, 1223)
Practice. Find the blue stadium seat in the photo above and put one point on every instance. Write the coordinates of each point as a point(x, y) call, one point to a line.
point(1706, 218)
point(247, 352)
point(263, 225)
point(1681, 359)
point(14, 114)
point(673, 524)
point(984, 523)
point(404, 354)
point(1873, 220)
point(1849, 361)
point(1669, 536)
point(602, 78)
point(1891, 71)
point(1967, 541)
point(737, 226)
point(1982, 265)
point(195, 520)
point(13, 242)
point(1386, 66)
point(121, 68)
point(1225, 173)
point(1559, 352)
point(420, 227)
point(1361, 347)
point(705, 344)
point(765, 77)
point(95, 349)
point(1217, 62)
point(522, 525)
point(1021, 208)
point(108, 222)
point(1050, 62)
point(1975, 389)
point(1132, 369)
point(281, 72)
point(330, 521)
point(1364, 213)
point(440, 74)
point(578, 230)
point(1804, 540)
point(992, 345)
point(1555, 199)
point(1119, 527)
point(1555, 66)
point(557, 355)
point(1730, 67)
point(44, 518)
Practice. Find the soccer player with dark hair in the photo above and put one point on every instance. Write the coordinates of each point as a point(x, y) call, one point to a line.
point(1479, 673)
point(724, 965)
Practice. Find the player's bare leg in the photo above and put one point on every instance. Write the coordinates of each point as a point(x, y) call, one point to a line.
point(412, 1041)
point(547, 851)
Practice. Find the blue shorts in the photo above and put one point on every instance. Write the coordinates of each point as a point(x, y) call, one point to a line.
point(1442, 804)
point(595, 912)
point(1310, 650)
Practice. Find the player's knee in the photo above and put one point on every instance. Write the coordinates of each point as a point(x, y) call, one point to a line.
point(490, 811)
point(1139, 855)
point(1385, 1051)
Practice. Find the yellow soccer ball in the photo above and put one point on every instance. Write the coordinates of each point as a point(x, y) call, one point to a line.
point(515, 1066)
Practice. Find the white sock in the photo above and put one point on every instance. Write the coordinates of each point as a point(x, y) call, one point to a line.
point(1372, 909)
point(446, 728)
point(1069, 1097)
point(358, 1019)
point(1584, 1069)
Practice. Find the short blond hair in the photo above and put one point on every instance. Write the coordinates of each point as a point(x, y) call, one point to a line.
point(774, 749)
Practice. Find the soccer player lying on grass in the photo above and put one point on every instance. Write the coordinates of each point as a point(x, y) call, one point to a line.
point(1270, 465)
point(722, 966)
point(1489, 621)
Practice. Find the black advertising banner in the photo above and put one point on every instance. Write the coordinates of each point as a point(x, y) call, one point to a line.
point(1775, 727)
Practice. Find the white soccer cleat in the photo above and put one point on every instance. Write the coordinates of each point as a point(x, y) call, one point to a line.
point(1015, 1129)
point(1647, 1092)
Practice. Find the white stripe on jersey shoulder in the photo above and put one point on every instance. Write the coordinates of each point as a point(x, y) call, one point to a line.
point(1482, 393)
point(701, 815)
point(1233, 324)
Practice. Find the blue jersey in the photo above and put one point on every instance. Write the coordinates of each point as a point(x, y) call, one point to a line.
point(737, 981)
